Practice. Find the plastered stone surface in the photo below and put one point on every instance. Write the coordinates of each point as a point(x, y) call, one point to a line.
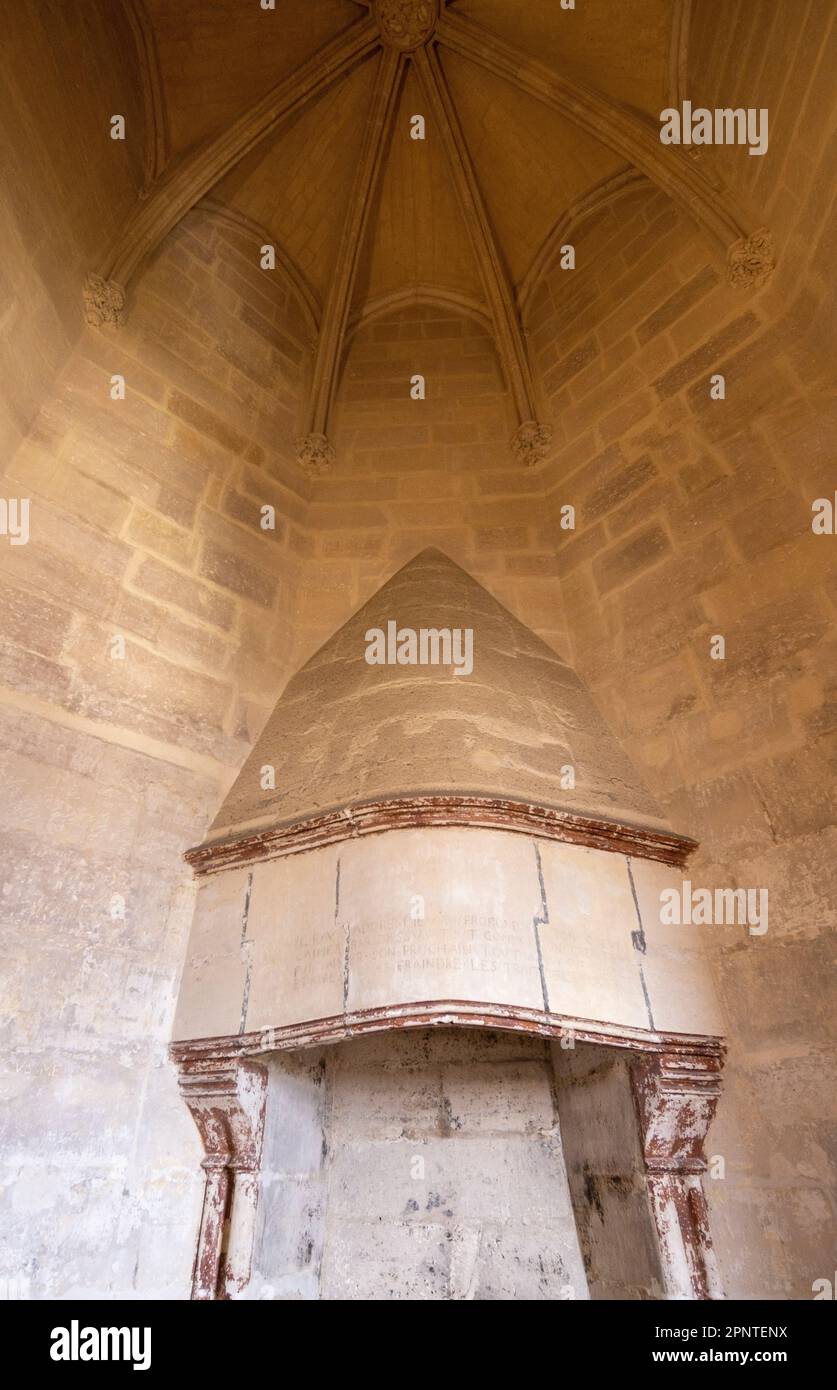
point(423, 1166)
point(347, 730)
point(604, 1170)
point(431, 915)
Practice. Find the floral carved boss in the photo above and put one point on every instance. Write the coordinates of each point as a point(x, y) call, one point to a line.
point(406, 24)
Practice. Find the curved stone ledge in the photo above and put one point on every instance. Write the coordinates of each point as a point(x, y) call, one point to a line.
point(448, 1013)
point(461, 810)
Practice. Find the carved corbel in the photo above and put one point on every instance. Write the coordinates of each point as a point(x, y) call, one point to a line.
point(104, 301)
point(751, 260)
point(226, 1099)
point(315, 454)
point(530, 443)
point(676, 1098)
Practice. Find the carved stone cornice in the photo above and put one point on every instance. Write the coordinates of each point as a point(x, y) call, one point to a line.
point(751, 261)
point(406, 24)
point(104, 301)
point(442, 809)
point(684, 1048)
point(315, 455)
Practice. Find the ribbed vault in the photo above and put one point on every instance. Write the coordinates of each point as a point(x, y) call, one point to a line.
point(310, 134)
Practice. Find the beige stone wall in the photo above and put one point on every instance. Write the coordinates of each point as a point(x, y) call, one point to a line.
point(145, 512)
point(67, 187)
point(436, 472)
point(418, 1166)
point(144, 525)
point(694, 519)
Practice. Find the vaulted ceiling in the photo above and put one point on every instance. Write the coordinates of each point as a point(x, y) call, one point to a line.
point(297, 120)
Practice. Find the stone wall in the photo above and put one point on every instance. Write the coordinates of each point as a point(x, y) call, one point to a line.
point(435, 472)
point(694, 519)
point(67, 186)
point(417, 1166)
point(145, 526)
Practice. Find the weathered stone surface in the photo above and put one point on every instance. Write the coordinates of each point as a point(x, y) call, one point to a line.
point(369, 1221)
point(332, 735)
point(628, 559)
point(734, 748)
point(180, 590)
point(232, 572)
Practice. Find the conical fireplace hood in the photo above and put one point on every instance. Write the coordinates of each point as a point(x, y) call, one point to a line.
point(520, 725)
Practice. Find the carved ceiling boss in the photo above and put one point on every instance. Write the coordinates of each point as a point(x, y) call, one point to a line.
point(406, 24)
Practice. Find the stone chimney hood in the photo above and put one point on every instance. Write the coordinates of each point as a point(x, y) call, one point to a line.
point(434, 836)
point(461, 845)
point(347, 735)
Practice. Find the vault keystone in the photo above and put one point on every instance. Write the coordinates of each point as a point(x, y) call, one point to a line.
point(406, 24)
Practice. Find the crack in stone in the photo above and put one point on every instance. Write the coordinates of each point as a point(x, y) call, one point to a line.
point(246, 954)
point(639, 943)
point(541, 920)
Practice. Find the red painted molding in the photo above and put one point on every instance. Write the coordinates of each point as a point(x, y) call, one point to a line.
point(448, 1013)
point(411, 812)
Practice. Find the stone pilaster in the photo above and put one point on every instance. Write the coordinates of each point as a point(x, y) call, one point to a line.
point(226, 1099)
point(676, 1098)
